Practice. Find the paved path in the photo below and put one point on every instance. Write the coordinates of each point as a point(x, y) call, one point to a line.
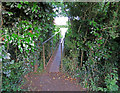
point(56, 61)
point(52, 80)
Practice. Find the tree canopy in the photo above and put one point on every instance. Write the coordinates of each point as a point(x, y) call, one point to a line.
point(92, 44)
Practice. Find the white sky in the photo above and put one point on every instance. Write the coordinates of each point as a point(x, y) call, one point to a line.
point(61, 20)
point(63, 31)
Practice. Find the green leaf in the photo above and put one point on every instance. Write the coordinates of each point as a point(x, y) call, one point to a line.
point(36, 28)
point(113, 82)
point(85, 85)
point(32, 63)
point(98, 28)
point(33, 9)
point(36, 10)
point(26, 2)
point(101, 42)
point(32, 50)
point(21, 50)
point(100, 89)
point(30, 25)
point(19, 6)
point(10, 13)
point(41, 39)
point(21, 2)
point(39, 15)
point(115, 14)
point(27, 51)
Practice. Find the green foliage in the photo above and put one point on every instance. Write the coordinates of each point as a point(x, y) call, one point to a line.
point(25, 26)
point(111, 80)
point(91, 44)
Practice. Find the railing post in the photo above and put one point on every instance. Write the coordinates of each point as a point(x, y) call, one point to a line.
point(61, 57)
point(56, 40)
point(43, 56)
point(58, 37)
point(52, 45)
point(44, 47)
point(49, 52)
point(64, 47)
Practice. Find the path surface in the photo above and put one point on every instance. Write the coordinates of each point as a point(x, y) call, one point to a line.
point(52, 80)
point(56, 61)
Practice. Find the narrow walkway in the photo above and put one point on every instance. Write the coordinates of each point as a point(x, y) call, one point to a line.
point(56, 61)
point(53, 80)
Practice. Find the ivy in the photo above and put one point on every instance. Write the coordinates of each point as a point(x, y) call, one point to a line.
point(25, 27)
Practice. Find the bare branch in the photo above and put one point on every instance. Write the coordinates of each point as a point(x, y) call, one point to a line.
point(105, 41)
point(109, 27)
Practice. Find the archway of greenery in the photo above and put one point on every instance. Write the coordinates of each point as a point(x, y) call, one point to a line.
point(91, 44)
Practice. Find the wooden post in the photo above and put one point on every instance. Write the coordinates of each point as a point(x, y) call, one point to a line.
point(49, 52)
point(61, 58)
point(35, 67)
point(52, 46)
point(56, 39)
point(64, 47)
point(43, 56)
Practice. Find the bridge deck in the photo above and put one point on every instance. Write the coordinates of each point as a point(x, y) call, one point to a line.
point(56, 61)
point(53, 80)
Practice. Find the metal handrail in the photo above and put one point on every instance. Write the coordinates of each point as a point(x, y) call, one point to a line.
point(62, 41)
point(50, 37)
point(44, 47)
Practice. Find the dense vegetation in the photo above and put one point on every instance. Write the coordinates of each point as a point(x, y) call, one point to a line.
point(92, 52)
point(25, 26)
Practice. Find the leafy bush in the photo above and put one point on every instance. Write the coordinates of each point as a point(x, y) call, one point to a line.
point(91, 44)
point(25, 26)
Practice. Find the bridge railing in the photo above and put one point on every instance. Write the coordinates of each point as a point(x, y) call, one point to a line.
point(52, 46)
point(62, 54)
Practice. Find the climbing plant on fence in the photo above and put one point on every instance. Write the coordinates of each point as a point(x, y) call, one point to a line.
point(92, 44)
point(25, 26)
